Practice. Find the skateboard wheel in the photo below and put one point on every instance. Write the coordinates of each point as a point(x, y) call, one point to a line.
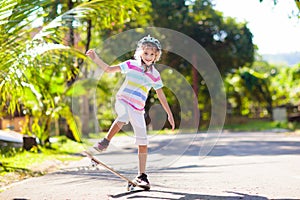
point(93, 163)
point(130, 187)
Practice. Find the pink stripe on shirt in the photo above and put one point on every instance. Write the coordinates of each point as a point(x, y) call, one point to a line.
point(132, 100)
point(133, 67)
point(140, 109)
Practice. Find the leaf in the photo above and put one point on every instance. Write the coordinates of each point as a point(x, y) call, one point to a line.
point(73, 123)
point(81, 87)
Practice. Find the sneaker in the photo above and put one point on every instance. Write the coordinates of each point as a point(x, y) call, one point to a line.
point(142, 181)
point(102, 145)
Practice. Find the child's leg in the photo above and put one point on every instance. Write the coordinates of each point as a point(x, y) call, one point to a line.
point(115, 128)
point(138, 123)
point(142, 154)
point(141, 178)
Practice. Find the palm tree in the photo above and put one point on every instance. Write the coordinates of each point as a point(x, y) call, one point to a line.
point(39, 64)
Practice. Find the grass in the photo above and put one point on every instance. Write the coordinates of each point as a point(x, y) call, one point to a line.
point(39, 161)
point(261, 125)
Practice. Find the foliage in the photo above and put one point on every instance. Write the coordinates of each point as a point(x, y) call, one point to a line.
point(37, 73)
point(241, 85)
point(64, 38)
point(43, 66)
point(285, 85)
point(254, 92)
point(228, 42)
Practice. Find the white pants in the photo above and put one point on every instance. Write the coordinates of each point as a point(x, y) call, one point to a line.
point(136, 118)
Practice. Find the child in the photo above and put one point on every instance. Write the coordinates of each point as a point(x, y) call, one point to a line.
point(141, 75)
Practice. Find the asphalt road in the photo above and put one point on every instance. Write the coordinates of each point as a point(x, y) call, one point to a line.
point(256, 165)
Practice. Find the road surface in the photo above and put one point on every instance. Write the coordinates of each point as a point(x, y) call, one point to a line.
point(249, 165)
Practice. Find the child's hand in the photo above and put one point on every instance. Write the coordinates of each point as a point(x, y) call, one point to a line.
point(91, 53)
point(171, 120)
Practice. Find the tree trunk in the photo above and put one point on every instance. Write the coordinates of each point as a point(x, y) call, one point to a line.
point(85, 112)
point(196, 90)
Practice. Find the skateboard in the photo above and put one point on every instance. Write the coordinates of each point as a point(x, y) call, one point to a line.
point(130, 184)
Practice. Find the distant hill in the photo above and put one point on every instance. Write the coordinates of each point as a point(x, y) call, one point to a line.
point(284, 58)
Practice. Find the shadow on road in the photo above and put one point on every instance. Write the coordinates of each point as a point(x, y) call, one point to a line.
point(159, 194)
point(247, 148)
point(231, 144)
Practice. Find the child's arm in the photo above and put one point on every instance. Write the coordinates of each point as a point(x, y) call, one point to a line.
point(162, 98)
point(109, 69)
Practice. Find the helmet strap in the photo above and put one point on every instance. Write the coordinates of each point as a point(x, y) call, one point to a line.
point(147, 67)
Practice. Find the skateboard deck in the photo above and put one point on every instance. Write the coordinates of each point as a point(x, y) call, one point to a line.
point(130, 184)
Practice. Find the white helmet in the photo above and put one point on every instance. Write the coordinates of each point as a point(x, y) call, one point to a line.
point(147, 39)
point(151, 40)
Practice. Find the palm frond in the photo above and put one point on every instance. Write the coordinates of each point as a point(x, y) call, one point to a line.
point(36, 63)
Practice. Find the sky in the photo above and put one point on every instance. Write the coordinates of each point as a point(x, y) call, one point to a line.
point(274, 32)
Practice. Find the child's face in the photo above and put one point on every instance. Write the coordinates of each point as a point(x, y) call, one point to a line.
point(148, 55)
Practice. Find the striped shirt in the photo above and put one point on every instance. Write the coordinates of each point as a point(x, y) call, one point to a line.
point(135, 88)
